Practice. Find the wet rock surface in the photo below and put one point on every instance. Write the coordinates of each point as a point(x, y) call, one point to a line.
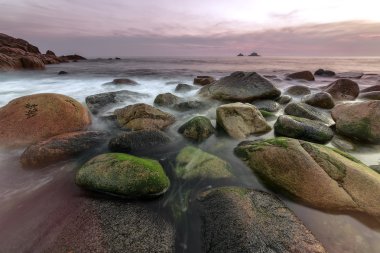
point(302, 75)
point(298, 90)
point(198, 129)
point(321, 99)
point(303, 110)
point(343, 89)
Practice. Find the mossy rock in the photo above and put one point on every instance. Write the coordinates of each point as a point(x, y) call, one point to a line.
point(267, 115)
point(123, 174)
point(198, 129)
point(193, 163)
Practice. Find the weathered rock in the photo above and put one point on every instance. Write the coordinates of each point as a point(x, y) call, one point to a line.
point(240, 120)
point(236, 219)
point(267, 105)
point(371, 88)
point(193, 163)
point(298, 90)
point(50, 53)
point(189, 105)
point(343, 89)
point(62, 72)
point(342, 143)
point(61, 147)
point(376, 168)
point(241, 87)
point(138, 140)
point(302, 75)
point(166, 99)
point(322, 177)
point(304, 129)
point(324, 73)
point(267, 115)
point(371, 95)
point(9, 63)
point(354, 75)
point(100, 103)
point(321, 99)
point(303, 110)
point(182, 87)
point(125, 175)
point(32, 62)
point(358, 120)
point(284, 99)
point(40, 116)
point(123, 81)
point(198, 129)
point(204, 80)
point(142, 116)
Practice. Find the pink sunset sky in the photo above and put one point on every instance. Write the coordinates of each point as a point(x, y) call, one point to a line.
point(196, 27)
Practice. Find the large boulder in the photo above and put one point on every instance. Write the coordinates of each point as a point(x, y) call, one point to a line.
point(37, 117)
point(241, 120)
point(61, 147)
point(304, 129)
point(321, 99)
point(302, 75)
point(358, 120)
point(100, 103)
point(166, 99)
point(198, 129)
point(241, 87)
point(32, 62)
point(9, 63)
point(193, 163)
point(343, 89)
point(303, 110)
point(125, 175)
point(320, 176)
point(142, 116)
point(138, 140)
point(236, 219)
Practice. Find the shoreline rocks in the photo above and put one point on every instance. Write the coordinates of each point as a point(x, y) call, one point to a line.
point(321, 99)
point(197, 129)
point(303, 110)
point(343, 89)
point(302, 75)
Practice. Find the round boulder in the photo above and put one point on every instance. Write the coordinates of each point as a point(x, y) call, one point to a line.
point(302, 75)
point(198, 129)
point(321, 99)
point(298, 90)
point(166, 99)
point(343, 89)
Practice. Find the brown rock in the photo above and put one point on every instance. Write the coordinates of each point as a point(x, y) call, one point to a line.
point(343, 89)
point(303, 75)
point(37, 117)
point(204, 80)
point(32, 62)
point(371, 88)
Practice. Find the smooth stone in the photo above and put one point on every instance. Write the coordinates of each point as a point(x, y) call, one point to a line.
point(267, 115)
point(324, 73)
point(371, 95)
point(342, 143)
point(241, 120)
point(123, 175)
point(375, 168)
point(321, 99)
point(166, 99)
point(204, 80)
point(62, 72)
point(198, 129)
point(298, 90)
point(354, 75)
point(189, 105)
point(303, 129)
point(343, 89)
point(302, 75)
point(303, 110)
point(284, 99)
point(125, 81)
point(371, 88)
point(182, 87)
point(267, 105)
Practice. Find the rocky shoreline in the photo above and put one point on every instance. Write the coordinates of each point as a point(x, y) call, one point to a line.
point(118, 183)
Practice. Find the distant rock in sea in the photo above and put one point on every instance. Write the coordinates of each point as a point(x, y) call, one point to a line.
point(16, 54)
point(240, 54)
point(254, 54)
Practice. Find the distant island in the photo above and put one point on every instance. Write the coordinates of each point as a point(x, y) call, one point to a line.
point(252, 54)
point(240, 54)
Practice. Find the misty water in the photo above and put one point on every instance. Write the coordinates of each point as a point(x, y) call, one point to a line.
point(35, 204)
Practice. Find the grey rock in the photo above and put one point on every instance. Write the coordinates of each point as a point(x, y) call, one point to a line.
point(321, 99)
point(303, 110)
point(182, 87)
point(267, 105)
point(284, 99)
point(371, 95)
point(198, 129)
point(298, 90)
point(166, 99)
point(343, 89)
point(324, 73)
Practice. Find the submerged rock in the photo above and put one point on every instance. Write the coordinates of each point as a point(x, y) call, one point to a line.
point(193, 163)
point(324, 73)
point(321, 99)
point(303, 110)
point(204, 80)
point(358, 120)
point(125, 81)
point(267, 105)
point(298, 90)
point(166, 99)
point(138, 140)
point(190, 105)
point(182, 87)
point(371, 88)
point(241, 120)
point(343, 89)
point(355, 75)
point(348, 184)
point(198, 129)
point(61, 147)
point(304, 129)
point(342, 143)
point(371, 95)
point(62, 72)
point(302, 75)
point(236, 219)
point(242, 87)
point(142, 116)
point(284, 99)
point(37, 117)
point(124, 175)
point(100, 103)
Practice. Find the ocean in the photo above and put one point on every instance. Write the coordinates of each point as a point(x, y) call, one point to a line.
point(30, 199)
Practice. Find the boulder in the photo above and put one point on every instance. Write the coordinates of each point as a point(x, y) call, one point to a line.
point(302, 75)
point(320, 176)
point(371, 95)
point(62, 72)
point(267, 105)
point(194, 164)
point(237, 219)
point(324, 73)
point(343, 89)
point(138, 140)
point(189, 105)
point(125, 175)
point(298, 90)
point(241, 120)
point(241, 87)
point(267, 115)
point(303, 110)
point(204, 80)
point(50, 53)
point(284, 99)
point(198, 129)
point(37, 117)
point(32, 62)
point(304, 129)
point(123, 81)
point(371, 88)
point(321, 99)
point(166, 99)
point(100, 103)
point(142, 116)
point(73, 57)
point(9, 63)
point(342, 143)
point(358, 120)
point(182, 87)
point(61, 147)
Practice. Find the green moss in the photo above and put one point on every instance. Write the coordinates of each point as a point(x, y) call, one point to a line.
point(267, 114)
point(360, 129)
point(348, 156)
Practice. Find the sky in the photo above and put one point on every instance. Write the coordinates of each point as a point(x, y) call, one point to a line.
point(102, 28)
